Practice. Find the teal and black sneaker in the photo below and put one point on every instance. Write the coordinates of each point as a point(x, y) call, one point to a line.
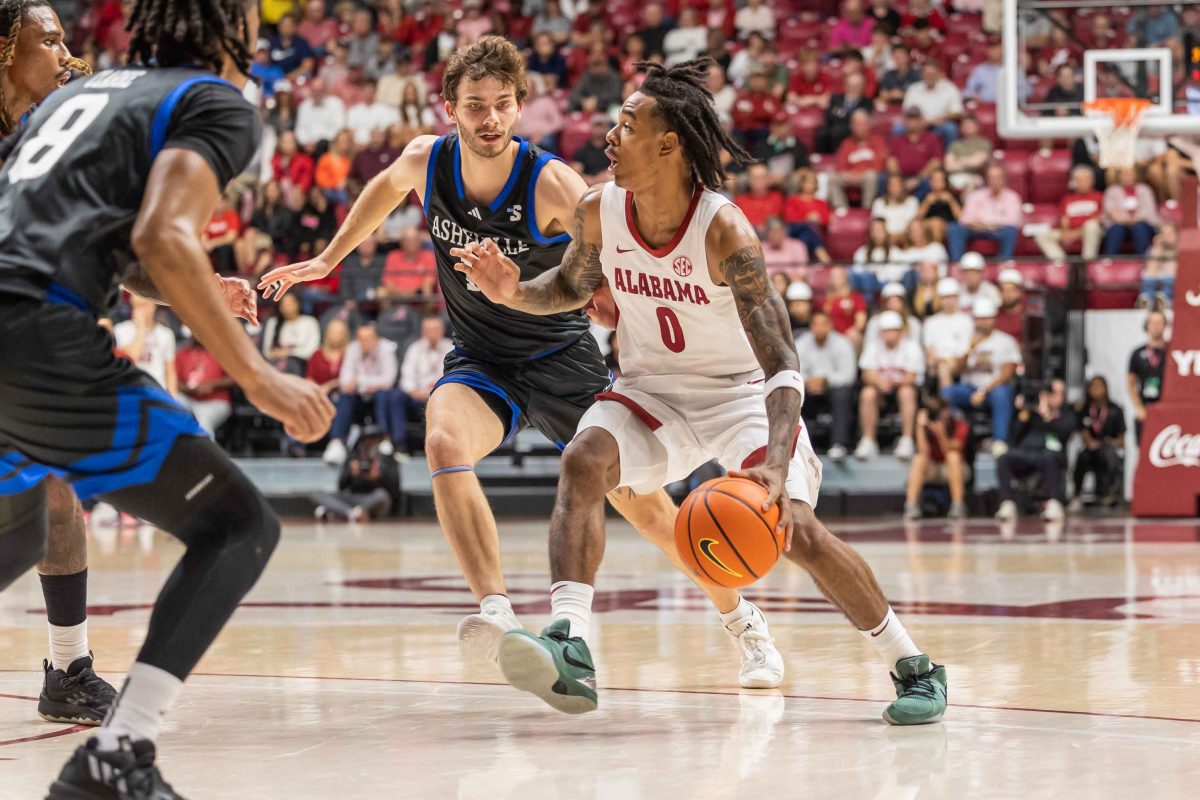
point(920, 692)
point(554, 666)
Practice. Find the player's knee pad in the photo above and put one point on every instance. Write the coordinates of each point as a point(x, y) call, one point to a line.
point(24, 525)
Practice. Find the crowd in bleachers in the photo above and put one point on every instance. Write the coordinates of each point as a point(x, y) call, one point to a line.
point(881, 184)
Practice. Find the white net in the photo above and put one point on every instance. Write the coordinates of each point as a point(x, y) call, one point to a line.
point(1116, 129)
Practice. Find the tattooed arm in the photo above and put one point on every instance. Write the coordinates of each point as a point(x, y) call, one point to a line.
point(736, 259)
point(565, 288)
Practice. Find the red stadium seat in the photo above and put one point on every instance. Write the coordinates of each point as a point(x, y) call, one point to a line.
point(1040, 213)
point(1017, 167)
point(1113, 283)
point(846, 233)
point(575, 133)
point(805, 122)
point(1049, 171)
point(985, 114)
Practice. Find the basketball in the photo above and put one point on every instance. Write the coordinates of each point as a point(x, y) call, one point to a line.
point(724, 537)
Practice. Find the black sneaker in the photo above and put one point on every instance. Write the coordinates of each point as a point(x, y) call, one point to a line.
point(124, 774)
point(77, 696)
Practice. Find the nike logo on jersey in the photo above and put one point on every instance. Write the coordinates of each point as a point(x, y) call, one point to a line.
point(624, 250)
point(658, 287)
point(706, 547)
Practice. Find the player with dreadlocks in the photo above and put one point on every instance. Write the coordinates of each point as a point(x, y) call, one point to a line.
point(129, 165)
point(710, 371)
point(34, 61)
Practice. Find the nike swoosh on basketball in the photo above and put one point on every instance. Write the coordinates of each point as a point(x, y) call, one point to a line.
point(881, 630)
point(706, 546)
point(625, 250)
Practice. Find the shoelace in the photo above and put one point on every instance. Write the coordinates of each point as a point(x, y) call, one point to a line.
point(749, 639)
point(88, 679)
point(920, 685)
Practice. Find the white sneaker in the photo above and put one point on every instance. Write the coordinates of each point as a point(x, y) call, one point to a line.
point(999, 448)
point(762, 666)
point(386, 448)
point(904, 448)
point(320, 513)
point(1076, 505)
point(335, 453)
point(1053, 511)
point(866, 450)
point(836, 453)
point(1008, 511)
point(479, 634)
point(358, 514)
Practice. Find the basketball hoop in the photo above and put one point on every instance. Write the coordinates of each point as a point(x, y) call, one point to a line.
point(1118, 120)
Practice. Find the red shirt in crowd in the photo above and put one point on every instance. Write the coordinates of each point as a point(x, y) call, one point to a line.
point(754, 110)
point(222, 223)
point(759, 209)
point(959, 432)
point(806, 88)
point(913, 156)
point(798, 209)
point(321, 370)
point(856, 156)
point(406, 275)
point(195, 366)
point(298, 171)
point(842, 309)
point(1012, 321)
point(934, 18)
point(1079, 208)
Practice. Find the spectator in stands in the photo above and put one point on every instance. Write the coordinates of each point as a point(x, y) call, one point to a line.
point(687, 40)
point(290, 52)
point(983, 84)
point(878, 55)
point(370, 115)
point(319, 117)
point(756, 16)
point(846, 308)
point(1079, 218)
point(809, 86)
point(777, 73)
point(754, 110)
point(368, 485)
point(836, 127)
point(806, 214)
point(367, 378)
point(877, 254)
point(1066, 93)
point(798, 295)
point(1153, 26)
point(1040, 435)
point(919, 248)
point(718, 49)
point(724, 95)
point(293, 168)
point(314, 225)
point(947, 335)
point(861, 159)
point(546, 60)
point(781, 281)
point(781, 253)
point(266, 73)
point(541, 117)
point(884, 16)
point(654, 29)
point(940, 208)
point(272, 219)
point(220, 235)
point(924, 44)
point(922, 14)
point(974, 286)
point(992, 213)
point(897, 208)
point(362, 271)
point(1102, 424)
point(891, 368)
point(1100, 35)
point(326, 362)
point(390, 90)
point(830, 373)
point(598, 89)
point(363, 41)
point(282, 116)
point(938, 100)
point(203, 386)
point(410, 269)
point(377, 156)
point(760, 202)
point(895, 82)
point(894, 297)
point(422, 368)
point(1011, 317)
point(474, 24)
point(1158, 276)
point(916, 152)
point(1147, 366)
point(333, 168)
point(853, 28)
point(1130, 212)
point(967, 157)
point(290, 338)
point(782, 152)
point(317, 28)
point(986, 374)
point(590, 160)
point(941, 435)
point(551, 22)
point(148, 343)
point(925, 301)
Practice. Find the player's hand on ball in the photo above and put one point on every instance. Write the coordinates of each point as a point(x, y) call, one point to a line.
point(240, 298)
point(301, 405)
point(276, 283)
point(496, 275)
point(774, 479)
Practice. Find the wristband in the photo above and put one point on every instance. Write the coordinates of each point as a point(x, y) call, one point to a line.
point(787, 379)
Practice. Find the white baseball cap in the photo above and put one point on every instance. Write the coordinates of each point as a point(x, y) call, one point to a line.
point(984, 308)
point(947, 287)
point(893, 289)
point(1011, 275)
point(971, 260)
point(798, 291)
point(891, 321)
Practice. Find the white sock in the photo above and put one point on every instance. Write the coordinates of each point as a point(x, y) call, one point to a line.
point(496, 603)
point(148, 694)
point(742, 609)
point(573, 601)
point(890, 640)
point(67, 644)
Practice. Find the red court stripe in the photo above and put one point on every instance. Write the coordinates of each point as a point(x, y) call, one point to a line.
point(50, 735)
point(18, 696)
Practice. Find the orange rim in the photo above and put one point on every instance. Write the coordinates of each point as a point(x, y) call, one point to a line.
point(1125, 111)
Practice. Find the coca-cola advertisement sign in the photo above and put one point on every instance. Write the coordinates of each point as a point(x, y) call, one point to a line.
point(1174, 448)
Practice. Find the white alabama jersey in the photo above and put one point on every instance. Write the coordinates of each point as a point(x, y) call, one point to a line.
point(673, 319)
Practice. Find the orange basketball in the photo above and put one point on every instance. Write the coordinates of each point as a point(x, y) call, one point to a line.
point(722, 534)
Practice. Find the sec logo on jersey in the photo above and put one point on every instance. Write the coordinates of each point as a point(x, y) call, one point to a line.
point(683, 266)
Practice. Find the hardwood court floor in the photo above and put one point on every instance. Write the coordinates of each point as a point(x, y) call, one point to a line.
point(1073, 656)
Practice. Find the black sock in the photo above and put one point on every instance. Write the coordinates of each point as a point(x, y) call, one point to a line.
point(66, 598)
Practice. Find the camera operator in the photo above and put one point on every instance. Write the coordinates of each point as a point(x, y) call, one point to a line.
point(369, 485)
point(1040, 435)
point(942, 436)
